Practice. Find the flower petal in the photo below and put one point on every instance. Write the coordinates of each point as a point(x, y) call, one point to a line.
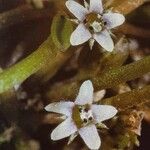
point(105, 40)
point(64, 130)
point(76, 9)
point(60, 107)
point(99, 95)
point(96, 6)
point(113, 19)
point(103, 112)
point(80, 35)
point(90, 136)
point(85, 95)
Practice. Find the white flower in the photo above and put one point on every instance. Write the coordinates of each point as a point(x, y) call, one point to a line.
point(81, 117)
point(93, 24)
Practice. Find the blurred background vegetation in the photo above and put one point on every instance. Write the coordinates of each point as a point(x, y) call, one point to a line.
point(38, 66)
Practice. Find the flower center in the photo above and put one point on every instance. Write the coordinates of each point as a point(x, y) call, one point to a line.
point(82, 115)
point(94, 22)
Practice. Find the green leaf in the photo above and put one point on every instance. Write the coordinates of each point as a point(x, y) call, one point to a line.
point(61, 30)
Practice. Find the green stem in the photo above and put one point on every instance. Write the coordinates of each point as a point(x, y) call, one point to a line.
point(129, 99)
point(109, 79)
point(123, 74)
point(22, 70)
point(50, 69)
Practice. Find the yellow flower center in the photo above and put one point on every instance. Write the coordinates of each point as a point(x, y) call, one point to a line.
point(82, 115)
point(94, 22)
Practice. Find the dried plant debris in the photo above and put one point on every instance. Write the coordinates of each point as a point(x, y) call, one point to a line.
point(80, 65)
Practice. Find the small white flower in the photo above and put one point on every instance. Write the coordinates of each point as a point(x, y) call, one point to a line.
point(93, 23)
point(82, 117)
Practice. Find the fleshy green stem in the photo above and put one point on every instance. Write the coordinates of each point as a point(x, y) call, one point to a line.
point(123, 74)
point(22, 70)
point(109, 79)
point(129, 99)
point(48, 71)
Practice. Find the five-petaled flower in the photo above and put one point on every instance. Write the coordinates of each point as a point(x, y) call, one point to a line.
point(81, 117)
point(93, 23)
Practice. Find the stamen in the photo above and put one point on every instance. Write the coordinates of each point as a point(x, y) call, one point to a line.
point(82, 115)
point(90, 118)
point(94, 22)
point(86, 110)
point(80, 109)
point(85, 120)
point(91, 28)
point(105, 23)
point(98, 16)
